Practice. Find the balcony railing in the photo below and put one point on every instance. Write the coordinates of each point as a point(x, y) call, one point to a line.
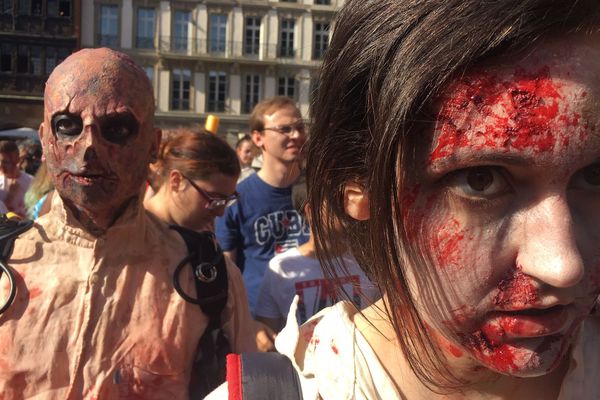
point(284, 51)
point(215, 106)
point(225, 49)
point(144, 43)
point(25, 83)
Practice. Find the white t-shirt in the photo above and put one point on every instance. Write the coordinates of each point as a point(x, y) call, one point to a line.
point(291, 273)
point(17, 205)
point(339, 363)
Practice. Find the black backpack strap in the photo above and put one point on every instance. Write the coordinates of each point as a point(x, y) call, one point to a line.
point(257, 376)
point(210, 272)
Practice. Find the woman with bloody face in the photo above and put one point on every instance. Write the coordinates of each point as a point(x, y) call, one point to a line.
point(458, 143)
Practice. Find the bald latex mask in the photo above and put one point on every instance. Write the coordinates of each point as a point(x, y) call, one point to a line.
point(98, 134)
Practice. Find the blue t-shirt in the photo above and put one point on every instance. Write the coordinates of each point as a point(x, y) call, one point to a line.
point(259, 225)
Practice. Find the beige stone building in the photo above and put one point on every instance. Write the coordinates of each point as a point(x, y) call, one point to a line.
point(216, 56)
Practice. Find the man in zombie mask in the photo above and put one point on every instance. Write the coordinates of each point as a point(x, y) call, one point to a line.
point(96, 315)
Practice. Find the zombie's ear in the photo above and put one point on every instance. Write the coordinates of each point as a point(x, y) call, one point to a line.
point(356, 201)
point(41, 133)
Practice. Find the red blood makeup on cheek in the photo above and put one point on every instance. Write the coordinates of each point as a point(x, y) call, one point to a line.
point(484, 111)
point(446, 243)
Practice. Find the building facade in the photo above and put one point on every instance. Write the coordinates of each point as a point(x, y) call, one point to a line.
point(35, 35)
point(216, 56)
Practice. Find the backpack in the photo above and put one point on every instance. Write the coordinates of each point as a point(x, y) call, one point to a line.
point(208, 263)
point(258, 376)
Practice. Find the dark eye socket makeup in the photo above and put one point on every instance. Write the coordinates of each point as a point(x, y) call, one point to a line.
point(115, 128)
point(66, 125)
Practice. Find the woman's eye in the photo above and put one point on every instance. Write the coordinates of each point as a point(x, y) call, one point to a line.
point(67, 125)
point(588, 178)
point(479, 182)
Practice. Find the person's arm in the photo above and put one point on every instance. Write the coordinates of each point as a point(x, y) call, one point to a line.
point(265, 337)
point(276, 324)
point(227, 231)
point(267, 308)
point(231, 255)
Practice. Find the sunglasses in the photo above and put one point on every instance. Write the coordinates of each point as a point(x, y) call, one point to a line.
point(288, 129)
point(212, 201)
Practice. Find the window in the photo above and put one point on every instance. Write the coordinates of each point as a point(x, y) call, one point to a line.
point(54, 57)
point(217, 33)
point(6, 50)
point(180, 31)
point(109, 23)
point(287, 86)
point(180, 94)
point(50, 59)
point(24, 7)
point(63, 53)
point(286, 38)
point(252, 36)
point(6, 6)
point(35, 64)
point(23, 59)
point(323, 2)
point(58, 8)
point(321, 39)
point(217, 84)
point(252, 92)
point(36, 7)
point(145, 28)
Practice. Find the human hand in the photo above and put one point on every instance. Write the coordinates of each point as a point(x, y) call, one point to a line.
point(265, 337)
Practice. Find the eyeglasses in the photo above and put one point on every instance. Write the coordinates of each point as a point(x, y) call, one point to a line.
point(288, 129)
point(213, 202)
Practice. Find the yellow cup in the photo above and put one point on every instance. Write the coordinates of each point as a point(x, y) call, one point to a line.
point(212, 123)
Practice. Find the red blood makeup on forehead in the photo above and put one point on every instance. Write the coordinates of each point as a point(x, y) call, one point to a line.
point(486, 111)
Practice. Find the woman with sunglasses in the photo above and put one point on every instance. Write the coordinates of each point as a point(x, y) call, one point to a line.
point(194, 179)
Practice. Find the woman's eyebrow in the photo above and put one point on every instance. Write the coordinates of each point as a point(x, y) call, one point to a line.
point(490, 158)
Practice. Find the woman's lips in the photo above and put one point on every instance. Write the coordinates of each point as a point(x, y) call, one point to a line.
point(506, 326)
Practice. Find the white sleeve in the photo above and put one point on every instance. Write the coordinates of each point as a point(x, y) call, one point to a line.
point(220, 393)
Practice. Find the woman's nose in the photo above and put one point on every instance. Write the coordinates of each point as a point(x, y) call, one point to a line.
point(549, 250)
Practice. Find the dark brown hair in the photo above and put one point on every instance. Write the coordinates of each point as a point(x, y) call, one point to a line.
point(268, 106)
point(196, 155)
point(387, 61)
point(8, 146)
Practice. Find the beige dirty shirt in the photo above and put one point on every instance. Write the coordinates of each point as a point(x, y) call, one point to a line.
point(98, 318)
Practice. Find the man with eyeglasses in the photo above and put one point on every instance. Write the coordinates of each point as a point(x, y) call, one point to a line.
point(96, 314)
point(264, 222)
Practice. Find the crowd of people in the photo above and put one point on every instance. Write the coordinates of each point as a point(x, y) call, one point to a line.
point(433, 236)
